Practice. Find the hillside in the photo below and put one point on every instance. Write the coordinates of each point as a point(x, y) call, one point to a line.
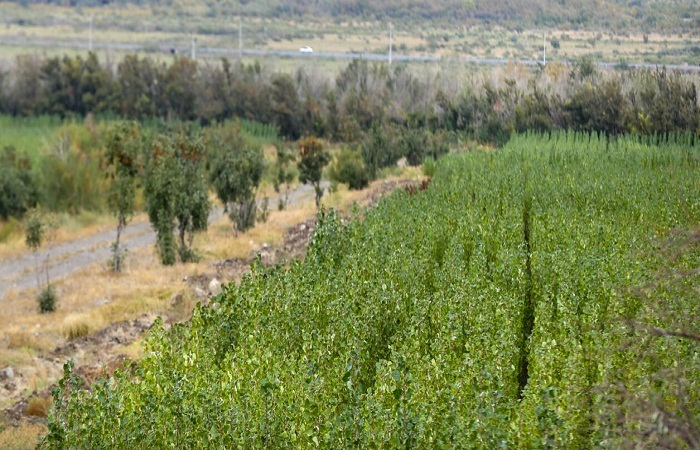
point(662, 15)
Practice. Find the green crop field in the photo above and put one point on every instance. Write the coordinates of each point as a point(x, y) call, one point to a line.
point(28, 135)
point(520, 301)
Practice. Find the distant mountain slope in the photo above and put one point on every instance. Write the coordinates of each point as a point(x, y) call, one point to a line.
point(676, 15)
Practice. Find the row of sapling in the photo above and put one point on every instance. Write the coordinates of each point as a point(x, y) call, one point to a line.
point(175, 172)
point(490, 107)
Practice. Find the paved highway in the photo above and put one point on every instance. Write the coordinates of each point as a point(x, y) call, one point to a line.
point(51, 42)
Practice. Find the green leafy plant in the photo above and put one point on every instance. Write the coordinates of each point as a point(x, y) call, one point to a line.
point(176, 194)
point(349, 168)
point(236, 171)
point(542, 295)
point(312, 159)
point(122, 158)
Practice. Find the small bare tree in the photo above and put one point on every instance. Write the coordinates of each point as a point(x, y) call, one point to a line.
point(40, 230)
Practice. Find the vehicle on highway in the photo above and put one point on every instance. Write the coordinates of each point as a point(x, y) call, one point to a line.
point(306, 49)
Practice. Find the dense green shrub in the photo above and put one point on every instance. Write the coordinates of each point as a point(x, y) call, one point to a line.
point(382, 148)
point(177, 194)
point(414, 142)
point(236, 169)
point(18, 191)
point(47, 299)
point(349, 168)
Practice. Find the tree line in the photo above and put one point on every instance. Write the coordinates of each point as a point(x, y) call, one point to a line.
point(486, 106)
point(679, 16)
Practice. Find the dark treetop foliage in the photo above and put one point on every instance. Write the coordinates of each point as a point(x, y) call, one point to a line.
point(373, 103)
point(312, 159)
point(237, 168)
point(177, 194)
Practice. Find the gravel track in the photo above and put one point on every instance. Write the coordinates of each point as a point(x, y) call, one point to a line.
point(66, 258)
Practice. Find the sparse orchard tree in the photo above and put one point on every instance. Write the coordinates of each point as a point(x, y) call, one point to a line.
point(284, 175)
point(122, 158)
point(349, 168)
point(236, 171)
point(177, 197)
point(313, 158)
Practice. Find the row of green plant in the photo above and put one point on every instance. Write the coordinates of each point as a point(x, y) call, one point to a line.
point(485, 106)
point(535, 296)
point(62, 166)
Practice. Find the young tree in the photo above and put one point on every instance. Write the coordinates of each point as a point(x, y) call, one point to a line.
point(122, 158)
point(377, 150)
point(177, 197)
point(284, 174)
point(349, 168)
point(286, 107)
point(236, 172)
point(40, 230)
point(313, 158)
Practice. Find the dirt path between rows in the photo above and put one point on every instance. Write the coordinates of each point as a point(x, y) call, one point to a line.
point(20, 273)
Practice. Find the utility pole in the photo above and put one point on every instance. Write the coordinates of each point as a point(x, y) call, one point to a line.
point(544, 48)
point(90, 41)
point(194, 54)
point(390, 41)
point(240, 38)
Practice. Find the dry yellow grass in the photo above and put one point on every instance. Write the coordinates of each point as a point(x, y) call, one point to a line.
point(70, 229)
point(134, 351)
point(23, 437)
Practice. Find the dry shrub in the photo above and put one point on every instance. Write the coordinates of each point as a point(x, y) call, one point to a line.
point(76, 326)
point(38, 406)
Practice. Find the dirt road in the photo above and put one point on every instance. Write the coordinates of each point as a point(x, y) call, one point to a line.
point(20, 273)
